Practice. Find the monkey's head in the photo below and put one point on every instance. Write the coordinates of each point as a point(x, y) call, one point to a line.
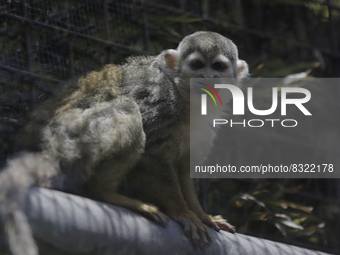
point(203, 55)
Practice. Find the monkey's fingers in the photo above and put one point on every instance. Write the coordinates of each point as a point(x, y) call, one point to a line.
point(153, 213)
point(223, 224)
point(217, 223)
point(205, 237)
point(211, 224)
point(193, 228)
point(227, 227)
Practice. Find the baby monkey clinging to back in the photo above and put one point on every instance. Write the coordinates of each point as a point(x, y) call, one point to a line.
point(128, 122)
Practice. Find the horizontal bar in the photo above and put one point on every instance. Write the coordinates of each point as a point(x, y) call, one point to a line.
point(15, 70)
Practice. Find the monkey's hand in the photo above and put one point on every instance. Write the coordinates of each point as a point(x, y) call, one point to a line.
point(217, 223)
point(152, 212)
point(193, 228)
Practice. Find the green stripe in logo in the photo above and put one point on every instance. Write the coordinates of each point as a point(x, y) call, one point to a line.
point(208, 94)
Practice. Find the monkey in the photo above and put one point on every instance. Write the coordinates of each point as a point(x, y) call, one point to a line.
point(126, 123)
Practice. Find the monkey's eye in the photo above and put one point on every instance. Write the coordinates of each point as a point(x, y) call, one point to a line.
point(196, 65)
point(219, 66)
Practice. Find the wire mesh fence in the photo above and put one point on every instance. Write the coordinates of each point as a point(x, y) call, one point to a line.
point(45, 42)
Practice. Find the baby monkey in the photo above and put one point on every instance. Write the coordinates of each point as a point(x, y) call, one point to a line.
point(127, 123)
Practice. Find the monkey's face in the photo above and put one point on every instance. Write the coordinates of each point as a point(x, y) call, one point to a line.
point(202, 55)
point(198, 65)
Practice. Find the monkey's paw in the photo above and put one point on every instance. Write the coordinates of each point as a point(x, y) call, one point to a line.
point(217, 222)
point(193, 228)
point(151, 212)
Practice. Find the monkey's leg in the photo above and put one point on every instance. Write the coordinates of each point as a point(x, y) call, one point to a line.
point(82, 138)
point(154, 180)
point(99, 145)
point(188, 191)
point(105, 190)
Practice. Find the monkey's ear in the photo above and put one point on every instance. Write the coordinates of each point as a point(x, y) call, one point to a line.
point(168, 60)
point(242, 69)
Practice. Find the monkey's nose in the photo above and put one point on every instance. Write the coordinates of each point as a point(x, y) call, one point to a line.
point(210, 76)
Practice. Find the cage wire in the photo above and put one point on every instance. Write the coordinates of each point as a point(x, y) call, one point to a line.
point(45, 42)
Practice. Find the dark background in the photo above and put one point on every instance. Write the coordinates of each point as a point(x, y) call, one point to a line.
point(44, 42)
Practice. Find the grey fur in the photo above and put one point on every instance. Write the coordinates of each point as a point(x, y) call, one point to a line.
point(127, 122)
point(209, 44)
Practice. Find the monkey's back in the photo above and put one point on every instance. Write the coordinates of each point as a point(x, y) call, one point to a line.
point(161, 106)
point(82, 92)
point(61, 125)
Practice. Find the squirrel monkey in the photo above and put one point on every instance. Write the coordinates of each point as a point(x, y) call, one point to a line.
point(128, 122)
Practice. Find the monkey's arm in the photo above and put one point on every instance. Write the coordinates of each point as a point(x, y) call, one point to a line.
point(155, 180)
point(188, 191)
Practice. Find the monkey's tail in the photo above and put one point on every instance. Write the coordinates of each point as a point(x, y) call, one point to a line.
point(21, 173)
